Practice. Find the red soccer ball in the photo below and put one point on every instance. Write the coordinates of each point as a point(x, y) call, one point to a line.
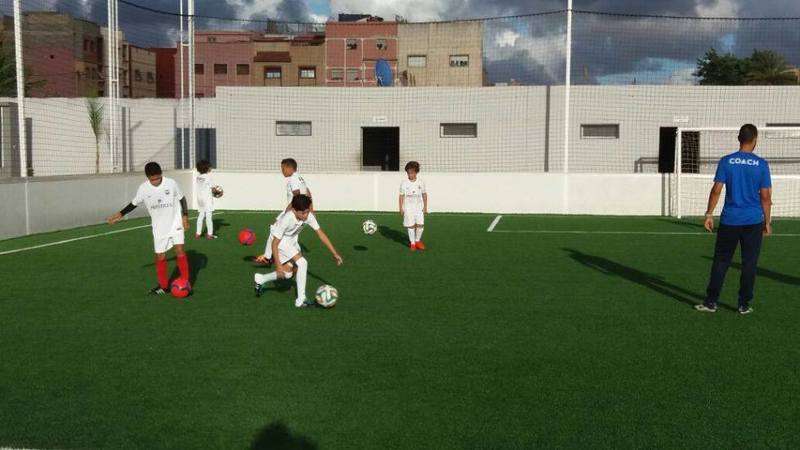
point(180, 288)
point(247, 237)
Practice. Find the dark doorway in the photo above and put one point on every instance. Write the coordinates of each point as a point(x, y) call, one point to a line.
point(666, 149)
point(690, 150)
point(205, 142)
point(381, 148)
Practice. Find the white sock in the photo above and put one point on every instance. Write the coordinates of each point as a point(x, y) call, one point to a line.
point(302, 271)
point(268, 249)
point(412, 236)
point(419, 233)
point(262, 278)
point(200, 215)
point(209, 224)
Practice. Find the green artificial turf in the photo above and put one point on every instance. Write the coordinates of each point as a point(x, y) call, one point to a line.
point(509, 339)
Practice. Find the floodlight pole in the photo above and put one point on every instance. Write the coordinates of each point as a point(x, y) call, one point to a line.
point(182, 103)
point(21, 126)
point(567, 88)
point(191, 83)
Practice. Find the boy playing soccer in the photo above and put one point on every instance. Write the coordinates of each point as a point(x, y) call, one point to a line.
point(169, 217)
point(413, 206)
point(205, 199)
point(283, 240)
point(295, 185)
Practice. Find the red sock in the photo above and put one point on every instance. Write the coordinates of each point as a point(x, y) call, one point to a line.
point(161, 272)
point(183, 266)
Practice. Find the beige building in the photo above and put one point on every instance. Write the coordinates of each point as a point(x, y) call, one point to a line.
point(441, 54)
point(140, 64)
point(292, 61)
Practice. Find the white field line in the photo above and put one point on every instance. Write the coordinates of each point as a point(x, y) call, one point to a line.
point(646, 233)
point(82, 238)
point(494, 224)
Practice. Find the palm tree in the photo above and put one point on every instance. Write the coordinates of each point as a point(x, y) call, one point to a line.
point(95, 110)
point(769, 68)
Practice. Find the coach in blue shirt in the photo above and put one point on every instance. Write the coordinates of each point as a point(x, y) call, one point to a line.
point(745, 218)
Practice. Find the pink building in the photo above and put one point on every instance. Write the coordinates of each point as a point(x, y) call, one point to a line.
point(352, 49)
point(222, 58)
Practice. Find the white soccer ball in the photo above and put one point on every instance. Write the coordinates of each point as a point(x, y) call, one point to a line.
point(216, 191)
point(326, 296)
point(369, 227)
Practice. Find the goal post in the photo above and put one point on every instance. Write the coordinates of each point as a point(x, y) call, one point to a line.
point(698, 150)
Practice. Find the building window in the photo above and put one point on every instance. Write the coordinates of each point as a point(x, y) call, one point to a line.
point(352, 44)
point(417, 60)
point(458, 130)
point(137, 75)
point(272, 73)
point(352, 74)
point(199, 95)
point(220, 69)
point(308, 72)
point(337, 74)
point(459, 60)
point(91, 46)
point(292, 128)
point(243, 69)
point(86, 45)
point(199, 69)
point(380, 44)
point(151, 78)
point(212, 39)
point(600, 131)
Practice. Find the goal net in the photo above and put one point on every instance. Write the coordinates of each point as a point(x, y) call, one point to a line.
point(698, 150)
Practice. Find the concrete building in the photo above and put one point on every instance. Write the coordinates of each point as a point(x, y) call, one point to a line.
point(289, 61)
point(222, 58)
point(440, 54)
point(353, 48)
point(140, 65)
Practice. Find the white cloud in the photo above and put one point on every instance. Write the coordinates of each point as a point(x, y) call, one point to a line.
point(507, 38)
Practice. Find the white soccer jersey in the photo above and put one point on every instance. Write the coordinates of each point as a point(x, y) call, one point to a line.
point(163, 205)
point(203, 184)
point(295, 183)
point(288, 227)
point(412, 192)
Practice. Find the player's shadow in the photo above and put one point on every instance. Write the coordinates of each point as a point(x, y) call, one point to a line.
point(393, 235)
point(684, 223)
point(219, 224)
point(197, 262)
point(651, 281)
point(360, 248)
point(277, 436)
point(766, 273)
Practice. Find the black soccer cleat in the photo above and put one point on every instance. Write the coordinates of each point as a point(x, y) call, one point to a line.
point(259, 288)
point(158, 290)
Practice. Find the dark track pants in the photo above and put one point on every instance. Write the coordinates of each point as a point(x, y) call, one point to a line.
point(749, 237)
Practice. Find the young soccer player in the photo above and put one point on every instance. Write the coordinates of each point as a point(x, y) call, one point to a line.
point(295, 185)
point(746, 218)
point(169, 217)
point(205, 199)
point(413, 205)
point(284, 235)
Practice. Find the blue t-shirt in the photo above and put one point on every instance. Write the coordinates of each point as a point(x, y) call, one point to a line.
point(744, 175)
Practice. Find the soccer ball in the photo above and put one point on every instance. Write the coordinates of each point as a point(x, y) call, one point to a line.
point(326, 296)
point(247, 237)
point(369, 227)
point(180, 288)
point(216, 191)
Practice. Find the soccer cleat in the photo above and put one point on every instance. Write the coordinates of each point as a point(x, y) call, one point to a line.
point(707, 309)
point(259, 288)
point(158, 290)
point(744, 310)
point(412, 247)
point(197, 236)
point(420, 245)
point(211, 236)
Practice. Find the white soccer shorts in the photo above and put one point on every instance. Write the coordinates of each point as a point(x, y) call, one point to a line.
point(413, 217)
point(161, 245)
point(288, 248)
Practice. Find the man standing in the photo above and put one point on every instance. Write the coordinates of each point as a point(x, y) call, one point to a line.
point(745, 218)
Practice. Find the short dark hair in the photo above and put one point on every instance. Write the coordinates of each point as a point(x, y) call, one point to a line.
point(203, 166)
point(412, 165)
point(289, 162)
point(152, 168)
point(748, 133)
point(301, 202)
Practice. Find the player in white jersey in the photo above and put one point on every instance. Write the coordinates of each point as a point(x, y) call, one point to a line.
point(413, 205)
point(205, 199)
point(295, 185)
point(168, 211)
point(284, 243)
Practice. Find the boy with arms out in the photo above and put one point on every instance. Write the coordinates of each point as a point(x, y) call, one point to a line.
point(413, 205)
point(205, 199)
point(746, 218)
point(169, 216)
point(284, 244)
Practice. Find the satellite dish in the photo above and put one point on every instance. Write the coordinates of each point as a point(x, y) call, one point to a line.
point(383, 73)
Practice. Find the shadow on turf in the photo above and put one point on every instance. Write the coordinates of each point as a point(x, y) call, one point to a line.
point(277, 436)
point(197, 262)
point(693, 225)
point(650, 281)
point(360, 248)
point(766, 273)
point(393, 235)
point(218, 225)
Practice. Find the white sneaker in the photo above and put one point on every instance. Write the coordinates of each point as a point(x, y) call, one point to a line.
point(300, 303)
point(703, 308)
